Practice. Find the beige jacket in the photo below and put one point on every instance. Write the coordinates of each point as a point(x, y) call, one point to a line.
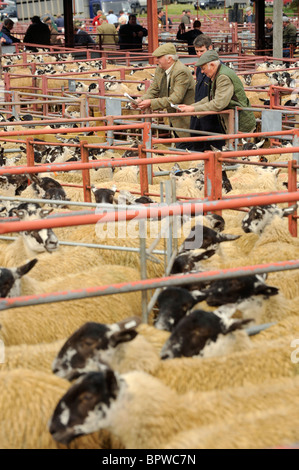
point(108, 34)
point(181, 90)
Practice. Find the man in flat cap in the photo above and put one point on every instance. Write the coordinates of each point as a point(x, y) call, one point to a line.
point(173, 83)
point(249, 16)
point(226, 91)
point(289, 35)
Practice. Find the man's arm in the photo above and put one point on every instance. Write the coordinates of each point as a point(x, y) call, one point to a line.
point(223, 95)
point(177, 91)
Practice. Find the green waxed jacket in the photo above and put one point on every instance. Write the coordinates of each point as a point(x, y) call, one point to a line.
point(226, 92)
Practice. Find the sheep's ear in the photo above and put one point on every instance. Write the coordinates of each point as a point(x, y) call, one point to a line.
point(122, 337)
point(244, 141)
point(19, 213)
point(289, 210)
point(45, 212)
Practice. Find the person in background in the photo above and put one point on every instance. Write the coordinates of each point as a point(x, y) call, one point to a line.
point(189, 36)
point(226, 91)
point(131, 34)
point(6, 29)
point(37, 33)
point(289, 35)
point(112, 18)
point(123, 18)
point(186, 18)
point(107, 34)
point(5, 40)
point(81, 37)
point(162, 20)
point(59, 23)
point(97, 19)
point(249, 16)
point(173, 83)
point(210, 123)
point(55, 38)
point(269, 34)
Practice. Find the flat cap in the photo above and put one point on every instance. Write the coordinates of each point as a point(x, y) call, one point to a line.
point(165, 49)
point(285, 18)
point(248, 9)
point(207, 57)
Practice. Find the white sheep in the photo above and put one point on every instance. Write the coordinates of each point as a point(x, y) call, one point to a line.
point(145, 414)
point(55, 321)
point(238, 362)
point(27, 401)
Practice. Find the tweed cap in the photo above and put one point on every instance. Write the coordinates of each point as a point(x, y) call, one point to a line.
point(248, 9)
point(206, 57)
point(165, 49)
point(285, 19)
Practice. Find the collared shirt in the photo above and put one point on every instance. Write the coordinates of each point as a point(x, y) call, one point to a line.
point(168, 73)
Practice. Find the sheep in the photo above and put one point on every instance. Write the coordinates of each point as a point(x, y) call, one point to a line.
point(31, 326)
point(260, 216)
point(104, 195)
point(273, 428)
point(145, 414)
point(10, 279)
point(200, 333)
point(173, 304)
point(47, 188)
point(37, 357)
point(30, 242)
point(241, 359)
point(13, 185)
point(27, 400)
point(205, 238)
point(118, 344)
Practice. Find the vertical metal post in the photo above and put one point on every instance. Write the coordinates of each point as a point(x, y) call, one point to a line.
point(277, 29)
point(143, 270)
point(175, 220)
point(29, 152)
point(296, 144)
point(169, 238)
point(292, 186)
point(213, 178)
point(147, 141)
point(143, 171)
point(85, 172)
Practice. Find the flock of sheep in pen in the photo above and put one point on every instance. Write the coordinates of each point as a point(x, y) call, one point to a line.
point(215, 366)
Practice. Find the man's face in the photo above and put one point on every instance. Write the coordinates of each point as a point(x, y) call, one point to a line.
point(132, 20)
point(200, 50)
point(209, 69)
point(164, 62)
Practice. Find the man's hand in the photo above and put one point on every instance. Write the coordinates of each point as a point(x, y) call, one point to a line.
point(143, 104)
point(186, 108)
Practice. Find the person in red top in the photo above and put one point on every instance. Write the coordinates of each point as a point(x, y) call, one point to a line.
point(97, 21)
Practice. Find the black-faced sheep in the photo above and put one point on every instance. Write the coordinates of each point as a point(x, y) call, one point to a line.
point(47, 188)
point(173, 303)
point(198, 332)
point(10, 277)
point(145, 414)
point(260, 216)
point(205, 238)
point(27, 400)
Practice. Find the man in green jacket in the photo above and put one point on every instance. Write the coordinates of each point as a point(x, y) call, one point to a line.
point(173, 83)
point(289, 35)
point(226, 91)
